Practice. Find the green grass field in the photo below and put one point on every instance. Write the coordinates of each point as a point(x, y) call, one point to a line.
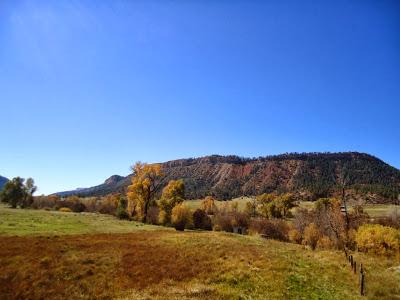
point(40, 222)
point(380, 210)
point(194, 204)
point(374, 210)
point(47, 255)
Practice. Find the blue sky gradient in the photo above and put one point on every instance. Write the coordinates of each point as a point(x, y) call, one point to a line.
point(89, 87)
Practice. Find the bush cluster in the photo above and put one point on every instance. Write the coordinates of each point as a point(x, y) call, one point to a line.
point(378, 239)
point(325, 226)
point(104, 205)
point(276, 229)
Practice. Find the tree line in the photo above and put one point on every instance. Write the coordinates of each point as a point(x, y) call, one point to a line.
point(149, 199)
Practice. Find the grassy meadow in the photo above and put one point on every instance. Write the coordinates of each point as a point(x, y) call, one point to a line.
point(374, 210)
point(194, 204)
point(39, 222)
point(48, 255)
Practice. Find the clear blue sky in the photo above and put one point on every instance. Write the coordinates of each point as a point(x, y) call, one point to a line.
point(89, 87)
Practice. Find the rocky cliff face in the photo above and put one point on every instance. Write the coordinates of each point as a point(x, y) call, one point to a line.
point(315, 173)
point(113, 180)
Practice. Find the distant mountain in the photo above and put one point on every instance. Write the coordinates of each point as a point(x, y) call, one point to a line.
point(312, 174)
point(113, 184)
point(3, 181)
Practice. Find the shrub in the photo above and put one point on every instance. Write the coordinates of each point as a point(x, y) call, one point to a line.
point(201, 220)
point(325, 243)
point(228, 216)
point(91, 204)
point(121, 212)
point(311, 236)
point(302, 218)
point(74, 203)
point(45, 202)
point(163, 218)
point(378, 239)
point(265, 198)
point(251, 208)
point(224, 222)
point(294, 236)
point(270, 210)
point(240, 219)
point(272, 229)
point(108, 204)
point(152, 215)
point(78, 207)
point(181, 217)
point(65, 209)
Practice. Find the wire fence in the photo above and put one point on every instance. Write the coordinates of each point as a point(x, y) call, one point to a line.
point(358, 269)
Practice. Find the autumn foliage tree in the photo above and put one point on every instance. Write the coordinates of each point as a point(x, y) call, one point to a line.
point(146, 182)
point(311, 236)
point(251, 207)
point(331, 221)
point(172, 195)
point(181, 217)
point(275, 206)
point(208, 205)
point(285, 203)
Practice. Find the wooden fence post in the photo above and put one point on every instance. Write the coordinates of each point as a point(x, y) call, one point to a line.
point(362, 285)
point(362, 281)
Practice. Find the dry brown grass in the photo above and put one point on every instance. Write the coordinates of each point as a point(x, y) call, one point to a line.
point(178, 265)
point(87, 266)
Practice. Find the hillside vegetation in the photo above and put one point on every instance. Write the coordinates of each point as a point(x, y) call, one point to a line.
point(149, 262)
point(312, 175)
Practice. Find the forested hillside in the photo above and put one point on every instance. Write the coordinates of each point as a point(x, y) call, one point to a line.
point(311, 174)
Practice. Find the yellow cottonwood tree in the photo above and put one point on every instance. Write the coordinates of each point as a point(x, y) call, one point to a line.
point(181, 217)
point(209, 206)
point(172, 195)
point(146, 182)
